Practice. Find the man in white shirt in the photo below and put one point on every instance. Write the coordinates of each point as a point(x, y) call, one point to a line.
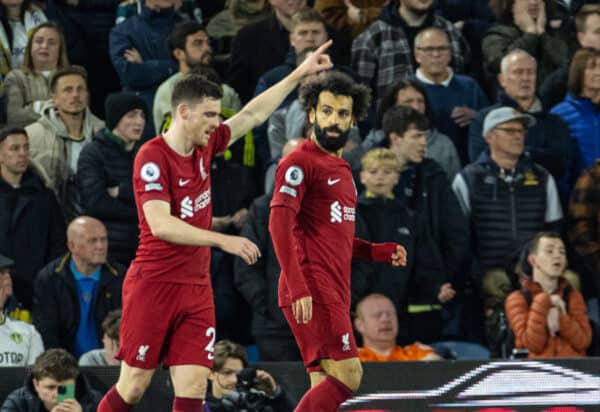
point(20, 343)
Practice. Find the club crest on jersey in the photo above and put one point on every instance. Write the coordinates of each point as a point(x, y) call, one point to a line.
point(150, 172)
point(294, 175)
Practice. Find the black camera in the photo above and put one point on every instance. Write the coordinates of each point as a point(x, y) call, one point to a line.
point(246, 398)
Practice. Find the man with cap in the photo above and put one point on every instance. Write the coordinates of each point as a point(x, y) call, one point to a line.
point(20, 343)
point(508, 199)
point(105, 170)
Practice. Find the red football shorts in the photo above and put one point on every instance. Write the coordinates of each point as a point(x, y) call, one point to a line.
point(328, 335)
point(168, 323)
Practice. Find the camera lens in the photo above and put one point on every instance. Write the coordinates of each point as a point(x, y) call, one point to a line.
point(62, 389)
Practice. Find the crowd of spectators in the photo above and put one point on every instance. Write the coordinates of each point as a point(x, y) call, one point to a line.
point(484, 131)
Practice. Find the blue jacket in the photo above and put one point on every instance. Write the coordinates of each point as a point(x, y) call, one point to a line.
point(146, 33)
point(584, 126)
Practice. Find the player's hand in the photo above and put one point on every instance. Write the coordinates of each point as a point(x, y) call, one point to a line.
point(399, 256)
point(68, 405)
point(242, 247)
point(315, 62)
point(302, 309)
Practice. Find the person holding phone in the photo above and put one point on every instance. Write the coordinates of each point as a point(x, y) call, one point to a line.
point(55, 385)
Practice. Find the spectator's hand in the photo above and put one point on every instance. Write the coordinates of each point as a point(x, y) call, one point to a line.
point(267, 383)
point(219, 224)
point(552, 321)
point(522, 19)
point(302, 309)
point(133, 56)
point(354, 13)
point(239, 218)
point(462, 115)
point(558, 303)
point(540, 21)
point(315, 62)
point(242, 247)
point(113, 191)
point(110, 350)
point(446, 293)
point(68, 405)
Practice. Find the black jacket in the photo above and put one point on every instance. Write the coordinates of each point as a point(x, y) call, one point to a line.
point(439, 213)
point(554, 88)
point(25, 399)
point(32, 230)
point(102, 164)
point(258, 283)
point(56, 302)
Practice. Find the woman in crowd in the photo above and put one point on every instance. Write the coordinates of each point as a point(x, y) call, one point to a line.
point(28, 87)
point(408, 92)
point(580, 107)
point(18, 18)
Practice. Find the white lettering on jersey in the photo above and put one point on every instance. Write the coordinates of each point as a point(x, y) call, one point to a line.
point(288, 191)
point(339, 213)
point(142, 350)
point(150, 172)
point(153, 186)
point(187, 208)
point(294, 175)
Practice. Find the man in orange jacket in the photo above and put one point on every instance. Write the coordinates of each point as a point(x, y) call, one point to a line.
point(542, 321)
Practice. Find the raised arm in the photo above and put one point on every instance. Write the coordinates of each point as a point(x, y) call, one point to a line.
point(260, 108)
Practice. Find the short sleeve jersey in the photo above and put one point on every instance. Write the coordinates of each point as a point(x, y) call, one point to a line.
point(20, 343)
point(320, 189)
point(184, 182)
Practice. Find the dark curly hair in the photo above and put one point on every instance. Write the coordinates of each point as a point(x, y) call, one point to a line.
point(338, 84)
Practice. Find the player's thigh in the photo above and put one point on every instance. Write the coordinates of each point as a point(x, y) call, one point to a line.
point(149, 308)
point(133, 382)
point(189, 381)
point(193, 334)
point(347, 371)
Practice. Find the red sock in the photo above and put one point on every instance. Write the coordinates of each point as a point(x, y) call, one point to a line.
point(112, 402)
point(187, 405)
point(325, 397)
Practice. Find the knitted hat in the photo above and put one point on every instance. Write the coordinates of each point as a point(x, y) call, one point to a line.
point(117, 105)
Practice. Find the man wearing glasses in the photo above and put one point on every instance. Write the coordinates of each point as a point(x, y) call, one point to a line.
point(454, 98)
point(508, 198)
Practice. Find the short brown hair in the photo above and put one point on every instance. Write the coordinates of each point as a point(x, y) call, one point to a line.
point(583, 59)
point(583, 14)
point(57, 364)
point(535, 242)
point(192, 88)
point(225, 349)
point(111, 323)
point(63, 59)
point(307, 15)
point(380, 157)
point(67, 71)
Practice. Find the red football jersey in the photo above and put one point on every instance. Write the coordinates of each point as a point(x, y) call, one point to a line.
point(159, 173)
point(319, 187)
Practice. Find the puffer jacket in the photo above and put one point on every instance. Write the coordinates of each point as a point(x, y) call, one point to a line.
point(105, 163)
point(529, 323)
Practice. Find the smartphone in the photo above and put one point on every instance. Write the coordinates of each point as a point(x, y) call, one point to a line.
point(65, 392)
